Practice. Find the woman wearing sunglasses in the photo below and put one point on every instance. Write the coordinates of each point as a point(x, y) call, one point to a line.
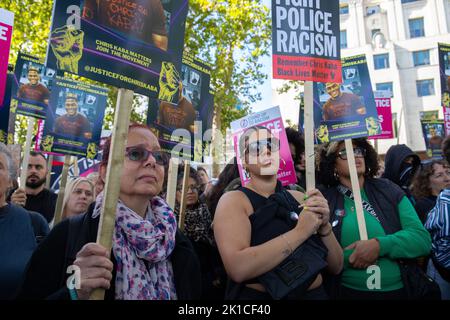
point(394, 230)
point(150, 259)
point(236, 213)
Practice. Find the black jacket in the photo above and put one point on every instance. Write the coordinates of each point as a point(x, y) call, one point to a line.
point(46, 273)
point(383, 195)
point(394, 160)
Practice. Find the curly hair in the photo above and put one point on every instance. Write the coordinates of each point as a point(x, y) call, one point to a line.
point(327, 155)
point(446, 148)
point(297, 139)
point(421, 187)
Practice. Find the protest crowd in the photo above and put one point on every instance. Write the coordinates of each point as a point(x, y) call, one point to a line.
point(305, 212)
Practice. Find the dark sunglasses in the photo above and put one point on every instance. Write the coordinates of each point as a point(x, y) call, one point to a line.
point(359, 153)
point(272, 144)
point(141, 154)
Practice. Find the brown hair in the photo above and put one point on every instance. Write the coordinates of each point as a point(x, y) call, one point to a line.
point(421, 183)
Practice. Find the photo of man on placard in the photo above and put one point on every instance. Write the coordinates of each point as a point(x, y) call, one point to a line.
point(33, 90)
point(341, 104)
point(73, 122)
point(144, 20)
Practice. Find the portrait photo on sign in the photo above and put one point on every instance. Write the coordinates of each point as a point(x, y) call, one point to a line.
point(75, 114)
point(142, 20)
point(33, 86)
point(346, 110)
point(75, 119)
point(34, 83)
point(342, 100)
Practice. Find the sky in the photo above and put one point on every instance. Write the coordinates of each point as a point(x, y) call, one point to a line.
point(266, 88)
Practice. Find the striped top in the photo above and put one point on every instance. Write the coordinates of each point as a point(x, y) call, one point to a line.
point(438, 224)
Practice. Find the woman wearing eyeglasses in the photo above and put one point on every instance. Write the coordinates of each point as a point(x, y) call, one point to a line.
point(394, 230)
point(198, 228)
point(432, 177)
point(236, 224)
point(150, 259)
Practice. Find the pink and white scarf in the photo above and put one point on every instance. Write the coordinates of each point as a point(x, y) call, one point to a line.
point(142, 248)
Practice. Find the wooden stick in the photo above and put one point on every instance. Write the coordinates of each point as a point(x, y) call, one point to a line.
point(112, 183)
point(172, 176)
point(26, 153)
point(62, 190)
point(356, 190)
point(76, 169)
point(49, 171)
point(309, 136)
point(184, 192)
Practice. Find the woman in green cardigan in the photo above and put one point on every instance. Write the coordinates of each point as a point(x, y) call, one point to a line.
point(371, 267)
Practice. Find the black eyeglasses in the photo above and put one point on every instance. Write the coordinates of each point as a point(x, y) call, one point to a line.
point(272, 144)
point(359, 153)
point(141, 154)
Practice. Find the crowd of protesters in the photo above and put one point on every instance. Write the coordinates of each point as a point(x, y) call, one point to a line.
point(260, 241)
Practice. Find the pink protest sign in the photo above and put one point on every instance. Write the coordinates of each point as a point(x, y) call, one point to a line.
point(6, 26)
point(447, 120)
point(271, 119)
point(384, 110)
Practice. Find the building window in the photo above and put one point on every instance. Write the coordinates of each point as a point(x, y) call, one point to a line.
point(343, 9)
point(381, 61)
point(407, 1)
point(385, 86)
point(372, 10)
point(416, 28)
point(421, 58)
point(425, 87)
point(343, 39)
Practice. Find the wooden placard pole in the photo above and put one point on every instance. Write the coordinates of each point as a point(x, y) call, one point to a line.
point(62, 190)
point(112, 183)
point(26, 153)
point(184, 192)
point(309, 136)
point(356, 190)
point(48, 178)
point(76, 169)
point(172, 176)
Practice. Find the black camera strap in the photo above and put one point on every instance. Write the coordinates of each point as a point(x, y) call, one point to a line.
point(366, 205)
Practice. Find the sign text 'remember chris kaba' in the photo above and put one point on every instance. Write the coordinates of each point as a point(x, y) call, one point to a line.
point(306, 44)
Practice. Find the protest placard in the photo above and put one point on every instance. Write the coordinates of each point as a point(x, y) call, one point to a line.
point(306, 40)
point(270, 119)
point(6, 27)
point(75, 118)
point(132, 44)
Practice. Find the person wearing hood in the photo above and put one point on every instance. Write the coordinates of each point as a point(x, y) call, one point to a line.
point(400, 165)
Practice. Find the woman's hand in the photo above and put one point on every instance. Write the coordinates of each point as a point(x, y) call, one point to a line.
point(308, 223)
point(95, 269)
point(316, 203)
point(366, 253)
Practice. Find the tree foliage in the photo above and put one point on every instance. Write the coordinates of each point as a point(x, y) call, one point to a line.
point(232, 35)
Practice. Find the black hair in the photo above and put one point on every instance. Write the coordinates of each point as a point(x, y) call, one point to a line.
point(228, 174)
point(297, 139)
point(327, 162)
point(446, 147)
point(37, 153)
